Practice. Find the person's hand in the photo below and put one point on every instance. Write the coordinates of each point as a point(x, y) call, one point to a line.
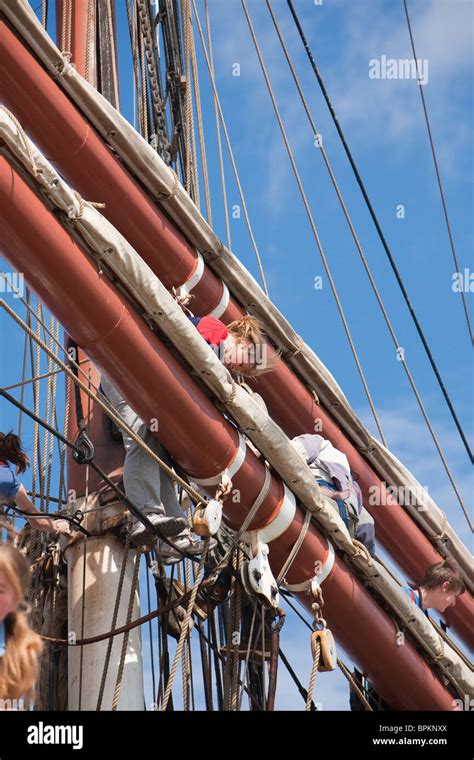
point(62, 526)
point(49, 525)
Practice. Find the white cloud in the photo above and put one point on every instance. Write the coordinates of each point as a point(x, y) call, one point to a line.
point(390, 111)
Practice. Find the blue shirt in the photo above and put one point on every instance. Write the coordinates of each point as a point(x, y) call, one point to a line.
point(415, 596)
point(9, 484)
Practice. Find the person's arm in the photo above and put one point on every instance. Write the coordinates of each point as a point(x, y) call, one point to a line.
point(45, 523)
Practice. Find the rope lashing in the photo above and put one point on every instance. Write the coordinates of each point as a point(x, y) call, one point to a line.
point(74, 216)
point(440, 536)
point(167, 196)
point(24, 139)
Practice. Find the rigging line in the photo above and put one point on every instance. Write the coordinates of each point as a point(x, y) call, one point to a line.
point(375, 220)
point(106, 408)
point(30, 380)
point(23, 377)
point(90, 42)
point(287, 596)
point(188, 107)
point(46, 331)
point(312, 223)
point(126, 636)
point(144, 90)
point(353, 232)
point(113, 50)
point(126, 501)
point(342, 666)
point(438, 176)
point(44, 13)
point(367, 269)
point(118, 595)
point(245, 676)
point(229, 148)
point(202, 144)
point(185, 627)
point(218, 128)
point(133, 45)
point(221, 657)
point(295, 679)
point(55, 339)
point(48, 440)
point(127, 627)
point(150, 624)
point(36, 470)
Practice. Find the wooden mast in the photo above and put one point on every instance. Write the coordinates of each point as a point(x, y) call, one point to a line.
point(94, 565)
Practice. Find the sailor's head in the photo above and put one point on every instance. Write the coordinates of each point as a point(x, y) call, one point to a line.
point(441, 585)
point(245, 351)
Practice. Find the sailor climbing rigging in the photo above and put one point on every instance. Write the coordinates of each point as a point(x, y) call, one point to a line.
point(11, 451)
point(439, 588)
point(240, 345)
point(337, 481)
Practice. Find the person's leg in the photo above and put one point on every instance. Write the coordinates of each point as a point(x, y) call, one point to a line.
point(167, 489)
point(142, 476)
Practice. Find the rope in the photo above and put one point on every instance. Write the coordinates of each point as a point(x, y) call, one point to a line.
point(30, 380)
point(354, 685)
point(126, 636)
point(312, 223)
point(438, 176)
point(133, 624)
point(44, 13)
point(113, 51)
point(312, 679)
point(66, 27)
point(218, 128)
point(195, 495)
point(440, 536)
point(235, 665)
point(295, 548)
point(90, 31)
point(231, 154)
point(36, 402)
point(67, 406)
point(53, 381)
point(184, 628)
point(187, 96)
point(46, 331)
point(133, 44)
point(378, 228)
point(414, 388)
point(144, 87)
point(232, 649)
point(185, 673)
point(202, 144)
point(249, 518)
point(114, 622)
point(167, 196)
point(24, 139)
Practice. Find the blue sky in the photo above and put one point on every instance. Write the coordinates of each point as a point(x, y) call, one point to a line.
point(383, 122)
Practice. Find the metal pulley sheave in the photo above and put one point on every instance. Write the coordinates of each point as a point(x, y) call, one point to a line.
point(207, 518)
point(257, 577)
